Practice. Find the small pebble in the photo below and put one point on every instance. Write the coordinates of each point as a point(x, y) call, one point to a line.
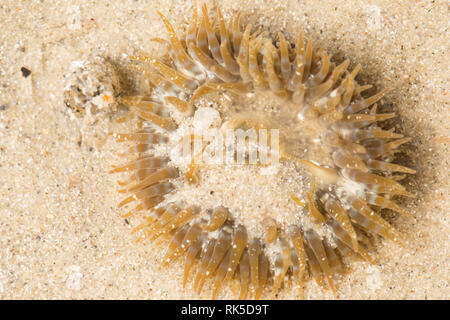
point(25, 72)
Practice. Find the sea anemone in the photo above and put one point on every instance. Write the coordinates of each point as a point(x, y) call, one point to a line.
point(335, 173)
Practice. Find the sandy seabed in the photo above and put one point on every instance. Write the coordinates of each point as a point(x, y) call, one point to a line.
point(61, 234)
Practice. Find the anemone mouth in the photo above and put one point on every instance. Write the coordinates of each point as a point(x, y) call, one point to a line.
point(332, 176)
